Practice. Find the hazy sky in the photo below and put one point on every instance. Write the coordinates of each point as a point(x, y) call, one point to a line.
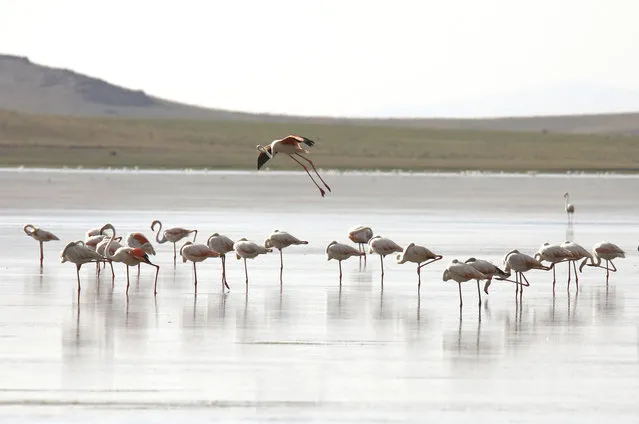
point(356, 58)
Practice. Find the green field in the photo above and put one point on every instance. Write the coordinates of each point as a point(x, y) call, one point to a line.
point(54, 141)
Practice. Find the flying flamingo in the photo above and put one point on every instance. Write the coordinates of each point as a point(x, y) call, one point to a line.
point(520, 263)
point(383, 246)
point(280, 240)
point(606, 251)
point(172, 234)
point(419, 255)
point(245, 249)
point(554, 254)
point(489, 270)
point(222, 245)
point(129, 256)
point(292, 145)
point(40, 236)
point(139, 240)
point(461, 272)
point(361, 235)
point(79, 254)
point(197, 253)
point(340, 252)
point(578, 252)
point(570, 208)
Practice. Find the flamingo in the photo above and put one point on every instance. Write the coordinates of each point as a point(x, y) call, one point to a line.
point(340, 252)
point(92, 242)
point(139, 240)
point(101, 247)
point(292, 145)
point(93, 232)
point(489, 270)
point(461, 272)
point(129, 256)
point(383, 246)
point(578, 252)
point(197, 253)
point(419, 255)
point(222, 245)
point(554, 254)
point(570, 208)
point(520, 263)
point(606, 251)
point(280, 240)
point(245, 249)
point(79, 254)
point(361, 235)
point(40, 236)
point(172, 234)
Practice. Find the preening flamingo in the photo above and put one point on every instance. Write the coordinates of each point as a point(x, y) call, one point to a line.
point(245, 249)
point(340, 252)
point(129, 256)
point(520, 263)
point(383, 246)
point(280, 240)
point(606, 251)
point(489, 270)
point(40, 236)
point(361, 235)
point(292, 145)
point(139, 240)
point(197, 253)
point(461, 272)
point(171, 234)
point(570, 208)
point(79, 254)
point(420, 256)
point(554, 254)
point(101, 247)
point(222, 245)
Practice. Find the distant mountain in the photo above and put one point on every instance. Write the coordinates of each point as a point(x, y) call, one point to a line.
point(37, 89)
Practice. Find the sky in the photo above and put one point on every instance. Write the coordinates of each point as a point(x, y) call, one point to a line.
point(347, 57)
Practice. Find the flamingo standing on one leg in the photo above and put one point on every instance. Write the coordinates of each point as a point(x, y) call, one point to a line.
point(340, 252)
point(419, 255)
point(245, 249)
point(173, 235)
point(554, 254)
point(570, 208)
point(79, 254)
point(197, 253)
point(280, 240)
point(40, 236)
point(461, 272)
point(361, 235)
point(489, 270)
point(383, 246)
point(292, 145)
point(129, 256)
point(222, 245)
point(520, 263)
point(606, 251)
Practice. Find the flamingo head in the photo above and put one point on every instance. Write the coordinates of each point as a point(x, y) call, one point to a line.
point(266, 153)
point(107, 227)
point(268, 243)
point(140, 255)
point(154, 223)
point(446, 275)
point(470, 260)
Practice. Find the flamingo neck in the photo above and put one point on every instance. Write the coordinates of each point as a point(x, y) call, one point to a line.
point(157, 235)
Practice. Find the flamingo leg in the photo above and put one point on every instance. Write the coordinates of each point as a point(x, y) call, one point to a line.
point(554, 280)
point(112, 274)
point(381, 260)
point(340, 273)
point(77, 269)
point(322, 192)
point(364, 250)
point(195, 274)
point(574, 265)
point(127, 279)
point(419, 278)
point(461, 303)
point(479, 292)
point(569, 272)
point(316, 173)
point(155, 283)
point(138, 270)
point(174, 255)
point(614, 268)
point(246, 273)
point(281, 266)
point(430, 261)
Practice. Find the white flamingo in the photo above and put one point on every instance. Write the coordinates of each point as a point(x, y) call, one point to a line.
point(419, 255)
point(520, 263)
point(340, 252)
point(39, 235)
point(570, 208)
point(245, 249)
point(292, 145)
point(578, 252)
point(489, 270)
point(280, 240)
point(171, 234)
point(606, 251)
point(79, 254)
point(383, 246)
point(129, 256)
point(223, 245)
point(461, 272)
point(361, 235)
point(197, 253)
point(554, 254)
point(101, 247)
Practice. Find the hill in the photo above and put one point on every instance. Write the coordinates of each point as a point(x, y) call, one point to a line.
point(42, 90)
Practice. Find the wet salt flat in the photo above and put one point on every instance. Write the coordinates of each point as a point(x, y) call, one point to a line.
point(310, 351)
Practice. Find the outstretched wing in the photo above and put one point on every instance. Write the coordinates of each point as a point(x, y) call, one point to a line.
point(296, 139)
point(262, 158)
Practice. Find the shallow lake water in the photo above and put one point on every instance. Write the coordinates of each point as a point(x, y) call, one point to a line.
point(309, 350)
